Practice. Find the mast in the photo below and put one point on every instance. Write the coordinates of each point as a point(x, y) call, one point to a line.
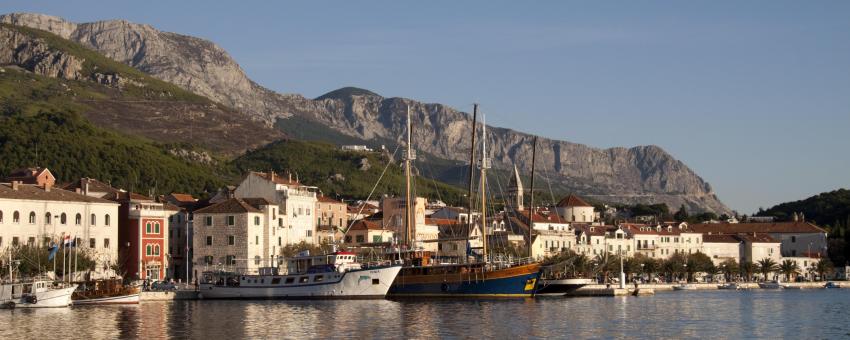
point(484, 166)
point(471, 169)
point(408, 240)
point(531, 193)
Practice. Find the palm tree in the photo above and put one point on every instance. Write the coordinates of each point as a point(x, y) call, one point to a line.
point(767, 266)
point(747, 270)
point(789, 268)
point(650, 266)
point(824, 267)
point(728, 268)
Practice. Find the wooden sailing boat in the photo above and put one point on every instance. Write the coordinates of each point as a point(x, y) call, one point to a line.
point(477, 279)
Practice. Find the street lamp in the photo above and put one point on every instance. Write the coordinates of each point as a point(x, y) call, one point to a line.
point(686, 273)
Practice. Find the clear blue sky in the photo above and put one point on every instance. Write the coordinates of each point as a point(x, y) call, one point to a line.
point(753, 95)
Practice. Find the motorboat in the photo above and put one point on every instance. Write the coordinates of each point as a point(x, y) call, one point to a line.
point(36, 294)
point(729, 286)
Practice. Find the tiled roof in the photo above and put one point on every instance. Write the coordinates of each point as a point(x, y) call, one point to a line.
point(757, 238)
point(126, 195)
point(233, 205)
point(777, 227)
point(326, 199)
point(276, 178)
point(94, 185)
point(367, 224)
point(183, 198)
point(35, 192)
point(720, 239)
point(441, 221)
point(573, 201)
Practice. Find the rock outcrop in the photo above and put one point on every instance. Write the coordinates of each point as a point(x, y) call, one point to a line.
point(36, 56)
point(638, 174)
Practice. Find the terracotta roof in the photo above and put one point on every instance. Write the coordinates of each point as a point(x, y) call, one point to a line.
point(276, 178)
point(26, 175)
point(441, 221)
point(635, 229)
point(573, 201)
point(757, 238)
point(367, 225)
point(720, 239)
point(539, 218)
point(233, 205)
point(593, 230)
point(35, 192)
point(326, 199)
point(94, 185)
point(777, 227)
point(183, 198)
point(126, 195)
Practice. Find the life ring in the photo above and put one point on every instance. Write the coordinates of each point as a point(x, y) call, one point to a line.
point(32, 299)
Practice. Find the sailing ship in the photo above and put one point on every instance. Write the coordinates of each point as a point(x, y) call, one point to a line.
point(105, 292)
point(336, 275)
point(483, 278)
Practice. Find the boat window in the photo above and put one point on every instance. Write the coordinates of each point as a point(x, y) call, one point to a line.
point(376, 281)
point(303, 279)
point(318, 278)
point(276, 281)
point(289, 280)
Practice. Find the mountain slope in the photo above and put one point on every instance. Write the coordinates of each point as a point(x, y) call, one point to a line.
point(639, 174)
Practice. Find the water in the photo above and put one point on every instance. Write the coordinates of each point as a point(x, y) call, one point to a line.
point(810, 314)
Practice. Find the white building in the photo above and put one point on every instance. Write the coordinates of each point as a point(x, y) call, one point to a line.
point(295, 203)
point(797, 239)
point(39, 214)
point(574, 209)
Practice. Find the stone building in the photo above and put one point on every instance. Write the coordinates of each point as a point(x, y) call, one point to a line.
point(239, 234)
point(331, 213)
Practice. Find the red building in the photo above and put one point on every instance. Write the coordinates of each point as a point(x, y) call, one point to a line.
point(142, 236)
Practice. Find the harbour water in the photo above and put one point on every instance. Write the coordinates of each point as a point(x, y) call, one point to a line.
point(809, 314)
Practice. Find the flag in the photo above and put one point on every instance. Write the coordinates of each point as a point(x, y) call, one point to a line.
point(67, 240)
point(53, 249)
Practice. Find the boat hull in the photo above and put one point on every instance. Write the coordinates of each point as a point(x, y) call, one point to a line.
point(370, 283)
point(54, 298)
point(132, 299)
point(560, 287)
point(517, 281)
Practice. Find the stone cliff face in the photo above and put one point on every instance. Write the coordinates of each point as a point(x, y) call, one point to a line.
point(638, 174)
point(36, 56)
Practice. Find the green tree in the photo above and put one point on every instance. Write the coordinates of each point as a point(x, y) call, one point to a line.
point(747, 270)
point(682, 214)
point(767, 266)
point(824, 267)
point(729, 267)
point(789, 268)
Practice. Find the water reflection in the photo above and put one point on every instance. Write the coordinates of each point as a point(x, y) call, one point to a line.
point(691, 314)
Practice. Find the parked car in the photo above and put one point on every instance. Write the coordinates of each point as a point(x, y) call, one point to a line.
point(163, 285)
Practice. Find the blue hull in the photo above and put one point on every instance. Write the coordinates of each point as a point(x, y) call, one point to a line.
point(515, 286)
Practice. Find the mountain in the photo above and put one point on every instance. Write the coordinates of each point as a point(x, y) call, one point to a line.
point(628, 175)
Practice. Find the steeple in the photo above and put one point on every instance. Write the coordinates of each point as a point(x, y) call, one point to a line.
point(515, 191)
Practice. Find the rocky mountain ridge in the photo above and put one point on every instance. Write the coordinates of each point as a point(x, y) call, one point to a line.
point(629, 175)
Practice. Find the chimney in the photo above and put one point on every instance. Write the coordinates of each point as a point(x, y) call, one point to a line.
point(16, 185)
point(290, 176)
point(47, 187)
point(271, 175)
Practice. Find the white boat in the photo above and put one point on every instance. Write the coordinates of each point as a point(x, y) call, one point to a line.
point(684, 286)
point(36, 294)
point(729, 286)
point(336, 275)
point(771, 285)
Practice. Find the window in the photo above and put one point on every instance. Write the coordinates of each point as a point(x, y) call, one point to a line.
point(31, 241)
point(377, 239)
point(148, 250)
point(208, 220)
point(63, 219)
point(303, 279)
point(279, 242)
point(16, 217)
point(156, 249)
point(231, 220)
point(93, 219)
point(78, 219)
point(318, 278)
point(376, 281)
point(256, 220)
point(106, 220)
point(309, 233)
point(347, 239)
point(209, 240)
point(148, 228)
point(231, 240)
point(256, 240)
point(1, 216)
point(360, 239)
point(32, 217)
point(15, 241)
point(308, 211)
point(257, 260)
point(106, 243)
point(156, 227)
point(92, 243)
point(208, 260)
point(230, 260)
point(47, 218)
point(793, 239)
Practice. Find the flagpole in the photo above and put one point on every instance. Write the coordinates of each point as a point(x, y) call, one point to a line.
point(76, 254)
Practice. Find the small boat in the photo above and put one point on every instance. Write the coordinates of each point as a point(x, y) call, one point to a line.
point(832, 285)
point(105, 292)
point(560, 286)
point(36, 294)
point(771, 285)
point(684, 286)
point(337, 275)
point(729, 286)
point(792, 287)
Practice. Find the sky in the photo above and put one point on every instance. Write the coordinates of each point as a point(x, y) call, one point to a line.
point(754, 96)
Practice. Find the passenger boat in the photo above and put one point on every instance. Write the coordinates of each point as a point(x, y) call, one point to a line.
point(832, 285)
point(482, 278)
point(336, 275)
point(36, 294)
point(105, 292)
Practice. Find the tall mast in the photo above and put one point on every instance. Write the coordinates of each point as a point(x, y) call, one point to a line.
point(471, 169)
point(408, 240)
point(484, 166)
point(531, 193)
